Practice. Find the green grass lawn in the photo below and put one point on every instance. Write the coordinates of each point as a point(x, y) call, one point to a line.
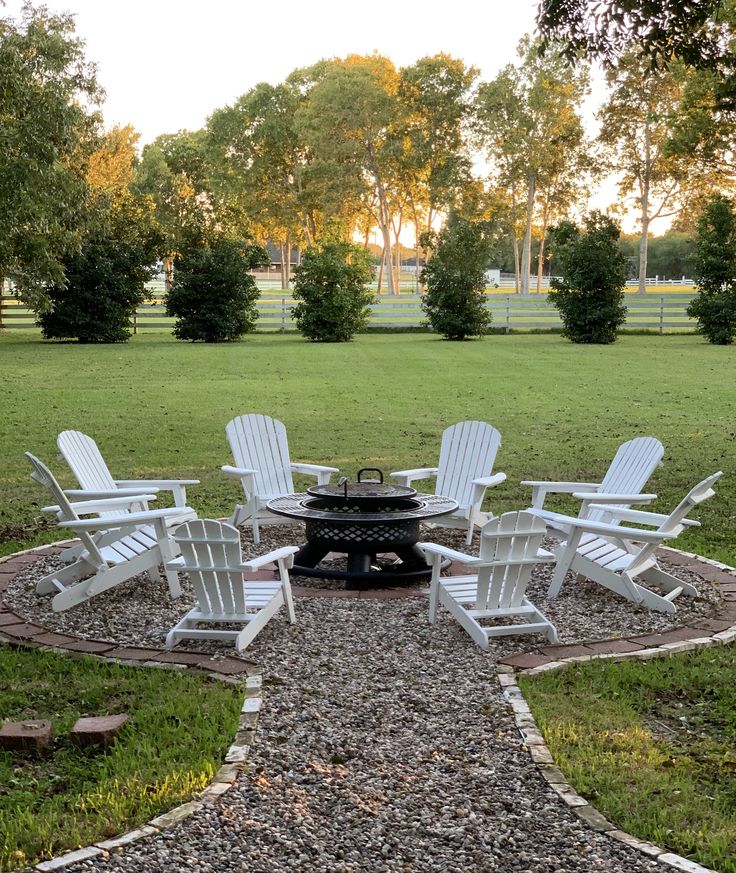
point(179, 729)
point(651, 745)
point(158, 407)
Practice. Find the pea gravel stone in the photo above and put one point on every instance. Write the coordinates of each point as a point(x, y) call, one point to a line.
point(383, 745)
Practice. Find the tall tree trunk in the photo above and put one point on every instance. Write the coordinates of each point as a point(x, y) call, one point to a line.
point(398, 259)
point(644, 189)
point(380, 271)
point(540, 263)
point(526, 251)
point(282, 247)
point(517, 265)
point(386, 234)
point(168, 273)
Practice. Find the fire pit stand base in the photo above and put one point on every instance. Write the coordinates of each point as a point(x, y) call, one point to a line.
point(362, 569)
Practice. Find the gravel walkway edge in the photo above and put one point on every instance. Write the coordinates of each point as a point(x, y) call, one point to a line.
point(551, 658)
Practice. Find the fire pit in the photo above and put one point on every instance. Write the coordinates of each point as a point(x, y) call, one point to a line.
point(362, 519)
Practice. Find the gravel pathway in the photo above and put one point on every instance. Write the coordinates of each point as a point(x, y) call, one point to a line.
point(384, 745)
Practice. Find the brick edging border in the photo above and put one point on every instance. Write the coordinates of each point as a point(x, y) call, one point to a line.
point(27, 635)
point(508, 674)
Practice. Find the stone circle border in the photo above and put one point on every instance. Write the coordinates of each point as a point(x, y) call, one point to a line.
point(234, 670)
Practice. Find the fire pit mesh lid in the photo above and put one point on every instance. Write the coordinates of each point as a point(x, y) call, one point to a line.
point(375, 490)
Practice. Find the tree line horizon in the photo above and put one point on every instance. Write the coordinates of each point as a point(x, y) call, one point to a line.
point(351, 145)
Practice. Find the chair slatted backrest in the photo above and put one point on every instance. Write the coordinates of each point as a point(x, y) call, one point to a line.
point(45, 477)
point(468, 451)
point(258, 442)
point(212, 557)
point(674, 522)
point(86, 462)
point(630, 470)
point(511, 542)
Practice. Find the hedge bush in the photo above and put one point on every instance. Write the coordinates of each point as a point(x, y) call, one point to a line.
point(590, 294)
point(455, 276)
point(213, 295)
point(714, 272)
point(330, 286)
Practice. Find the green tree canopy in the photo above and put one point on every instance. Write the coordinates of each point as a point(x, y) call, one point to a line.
point(47, 131)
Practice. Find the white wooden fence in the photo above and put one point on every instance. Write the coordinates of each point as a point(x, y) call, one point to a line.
point(655, 312)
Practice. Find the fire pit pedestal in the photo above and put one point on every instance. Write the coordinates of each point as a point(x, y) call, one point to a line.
point(362, 520)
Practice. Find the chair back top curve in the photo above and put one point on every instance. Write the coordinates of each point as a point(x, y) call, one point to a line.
point(511, 542)
point(630, 470)
point(212, 557)
point(258, 442)
point(467, 452)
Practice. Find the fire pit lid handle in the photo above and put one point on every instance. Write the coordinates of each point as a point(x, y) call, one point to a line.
point(371, 470)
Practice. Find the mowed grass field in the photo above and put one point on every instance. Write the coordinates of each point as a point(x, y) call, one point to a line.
point(158, 407)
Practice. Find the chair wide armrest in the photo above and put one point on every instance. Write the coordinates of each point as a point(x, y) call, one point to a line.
point(134, 518)
point(617, 532)
point(238, 472)
point(86, 507)
point(270, 558)
point(321, 473)
point(490, 481)
point(406, 477)
point(451, 554)
point(94, 494)
point(541, 489)
point(614, 498)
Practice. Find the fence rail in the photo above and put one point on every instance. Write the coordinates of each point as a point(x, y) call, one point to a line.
point(510, 312)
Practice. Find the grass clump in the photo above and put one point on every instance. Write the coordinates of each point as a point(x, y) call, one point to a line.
point(651, 745)
point(179, 729)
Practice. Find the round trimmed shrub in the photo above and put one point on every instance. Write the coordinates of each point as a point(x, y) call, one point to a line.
point(213, 295)
point(590, 295)
point(715, 272)
point(455, 276)
point(330, 286)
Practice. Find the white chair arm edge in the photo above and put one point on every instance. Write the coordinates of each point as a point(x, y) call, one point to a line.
point(452, 554)
point(94, 494)
point(490, 481)
point(82, 507)
point(614, 498)
point(270, 558)
point(238, 472)
point(560, 487)
point(134, 518)
point(313, 469)
point(155, 483)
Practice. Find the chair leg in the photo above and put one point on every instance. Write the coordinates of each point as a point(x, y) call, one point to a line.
point(434, 590)
point(256, 531)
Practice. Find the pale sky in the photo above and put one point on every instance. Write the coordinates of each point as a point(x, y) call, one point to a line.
point(166, 64)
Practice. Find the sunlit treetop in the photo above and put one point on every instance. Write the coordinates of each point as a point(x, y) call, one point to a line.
point(698, 32)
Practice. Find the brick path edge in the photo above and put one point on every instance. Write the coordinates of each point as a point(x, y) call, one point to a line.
point(542, 757)
point(235, 760)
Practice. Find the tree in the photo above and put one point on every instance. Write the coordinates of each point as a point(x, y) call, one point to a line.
point(330, 286)
point(529, 122)
point(47, 133)
point(638, 122)
point(174, 173)
point(695, 31)
point(105, 277)
point(213, 296)
point(435, 165)
point(715, 272)
point(349, 124)
point(590, 295)
point(455, 302)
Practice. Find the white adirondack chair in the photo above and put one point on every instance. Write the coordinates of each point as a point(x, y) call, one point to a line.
point(261, 453)
point(624, 559)
point(464, 472)
point(96, 483)
point(633, 464)
point(210, 553)
point(101, 567)
point(509, 551)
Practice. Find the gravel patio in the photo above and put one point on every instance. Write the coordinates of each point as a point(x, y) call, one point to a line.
point(384, 744)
